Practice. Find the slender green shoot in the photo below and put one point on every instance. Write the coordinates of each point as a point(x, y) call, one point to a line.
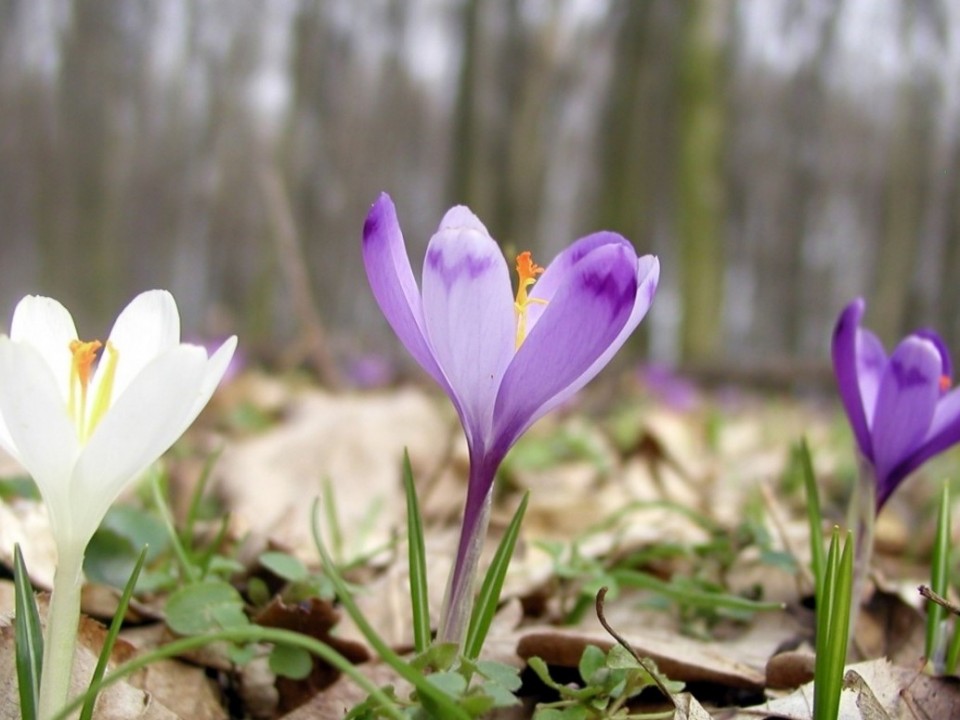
point(814, 516)
point(833, 627)
point(189, 572)
point(489, 597)
point(953, 652)
point(87, 712)
point(332, 518)
point(244, 634)
point(435, 701)
point(691, 596)
point(193, 512)
point(29, 639)
point(936, 635)
point(419, 598)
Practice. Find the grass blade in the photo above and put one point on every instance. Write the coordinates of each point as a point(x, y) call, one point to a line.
point(489, 596)
point(814, 516)
point(108, 642)
point(333, 521)
point(29, 639)
point(193, 512)
point(419, 599)
point(690, 596)
point(935, 637)
point(823, 682)
point(434, 700)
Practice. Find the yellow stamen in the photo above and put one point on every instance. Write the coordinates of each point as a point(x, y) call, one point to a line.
point(527, 271)
point(105, 389)
point(81, 371)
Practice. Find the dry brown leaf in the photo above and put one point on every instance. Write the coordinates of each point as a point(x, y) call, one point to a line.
point(678, 658)
point(269, 481)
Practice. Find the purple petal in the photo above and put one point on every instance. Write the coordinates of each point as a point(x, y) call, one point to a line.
point(393, 285)
point(927, 334)
point(557, 271)
point(583, 319)
point(944, 433)
point(906, 402)
point(468, 315)
point(871, 364)
point(846, 368)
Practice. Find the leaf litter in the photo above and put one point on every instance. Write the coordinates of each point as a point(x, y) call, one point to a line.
point(688, 502)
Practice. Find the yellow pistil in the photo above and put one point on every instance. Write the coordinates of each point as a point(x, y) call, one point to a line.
point(81, 371)
point(527, 271)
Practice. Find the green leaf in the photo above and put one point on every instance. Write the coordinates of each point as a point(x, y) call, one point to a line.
point(205, 606)
point(814, 516)
point(489, 596)
point(505, 675)
point(284, 566)
point(116, 624)
point(449, 681)
point(939, 569)
point(28, 638)
point(592, 660)
point(619, 658)
point(417, 554)
point(290, 662)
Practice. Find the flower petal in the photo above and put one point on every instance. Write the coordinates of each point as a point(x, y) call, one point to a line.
point(583, 319)
point(147, 327)
point(48, 326)
point(906, 401)
point(556, 272)
point(871, 365)
point(944, 433)
point(143, 423)
point(216, 368)
point(846, 367)
point(393, 285)
point(42, 436)
point(469, 315)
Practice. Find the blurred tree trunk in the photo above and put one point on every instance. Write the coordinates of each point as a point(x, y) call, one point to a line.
point(700, 201)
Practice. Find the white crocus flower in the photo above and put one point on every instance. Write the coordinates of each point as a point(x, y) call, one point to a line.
point(85, 429)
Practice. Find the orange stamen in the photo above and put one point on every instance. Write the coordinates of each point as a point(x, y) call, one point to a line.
point(527, 271)
point(81, 369)
point(945, 383)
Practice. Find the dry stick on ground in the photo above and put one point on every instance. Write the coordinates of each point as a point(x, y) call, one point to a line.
point(652, 672)
point(938, 599)
point(293, 265)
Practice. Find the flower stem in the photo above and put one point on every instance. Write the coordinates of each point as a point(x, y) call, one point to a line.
point(63, 617)
point(458, 602)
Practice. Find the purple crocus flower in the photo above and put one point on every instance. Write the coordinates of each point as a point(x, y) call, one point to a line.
point(899, 406)
point(503, 359)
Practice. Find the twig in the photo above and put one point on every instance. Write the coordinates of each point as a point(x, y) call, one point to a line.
point(938, 599)
point(651, 671)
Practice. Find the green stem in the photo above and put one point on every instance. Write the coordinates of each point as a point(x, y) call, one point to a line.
point(63, 617)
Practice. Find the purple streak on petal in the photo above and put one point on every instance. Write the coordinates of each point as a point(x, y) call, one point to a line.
point(845, 367)
point(558, 270)
point(393, 285)
point(585, 316)
point(947, 368)
point(906, 401)
point(469, 320)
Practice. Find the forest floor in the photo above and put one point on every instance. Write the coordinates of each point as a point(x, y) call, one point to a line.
point(687, 505)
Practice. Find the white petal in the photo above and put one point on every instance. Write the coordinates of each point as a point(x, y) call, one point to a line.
point(44, 438)
point(216, 367)
point(146, 328)
point(48, 326)
point(142, 424)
